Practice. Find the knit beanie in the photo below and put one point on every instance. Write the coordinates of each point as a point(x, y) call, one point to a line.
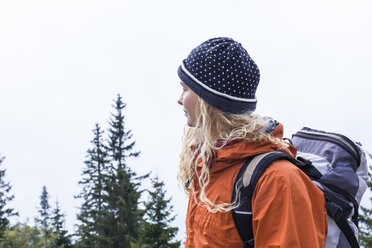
point(222, 73)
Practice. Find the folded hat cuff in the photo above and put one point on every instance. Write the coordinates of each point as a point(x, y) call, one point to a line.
point(219, 100)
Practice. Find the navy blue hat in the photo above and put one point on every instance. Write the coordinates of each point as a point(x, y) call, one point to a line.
point(221, 72)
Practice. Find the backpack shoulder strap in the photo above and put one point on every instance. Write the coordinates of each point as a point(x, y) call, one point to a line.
point(244, 186)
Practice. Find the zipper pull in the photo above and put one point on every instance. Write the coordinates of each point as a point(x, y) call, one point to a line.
point(189, 181)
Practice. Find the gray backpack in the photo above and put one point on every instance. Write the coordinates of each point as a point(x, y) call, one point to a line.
point(336, 164)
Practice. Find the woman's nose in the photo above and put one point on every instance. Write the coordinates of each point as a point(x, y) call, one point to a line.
point(179, 101)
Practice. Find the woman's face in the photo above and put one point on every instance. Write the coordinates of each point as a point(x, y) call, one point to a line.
point(189, 101)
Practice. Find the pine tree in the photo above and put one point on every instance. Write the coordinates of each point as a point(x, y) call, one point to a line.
point(124, 215)
point(110, 215)
point(44, 217)
point(95, 176)
point(58, 223)
point(5, 198)
point(156, 231)
point(365, 218)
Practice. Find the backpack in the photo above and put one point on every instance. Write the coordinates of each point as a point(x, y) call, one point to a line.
point(336, 164)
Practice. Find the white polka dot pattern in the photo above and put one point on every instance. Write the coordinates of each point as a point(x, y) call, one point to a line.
point(225, 66)
point(221, 72)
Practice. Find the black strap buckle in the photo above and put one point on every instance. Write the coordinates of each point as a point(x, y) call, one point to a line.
point(334, 210)
point(249, 243)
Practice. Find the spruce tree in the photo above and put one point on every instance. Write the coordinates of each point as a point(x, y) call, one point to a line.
point(365, 218)
point(124, 214)
point(5, 198)
point(94, 181)
point(44, 218)
point(58, 223)
point(156, 231)
point(110, 214)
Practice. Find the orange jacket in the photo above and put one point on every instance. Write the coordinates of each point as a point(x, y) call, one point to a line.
point(288, 209)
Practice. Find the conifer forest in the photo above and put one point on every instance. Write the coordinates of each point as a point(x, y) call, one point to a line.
point(115, 212)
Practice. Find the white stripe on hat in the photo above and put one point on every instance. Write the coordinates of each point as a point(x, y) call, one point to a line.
point(214, 91)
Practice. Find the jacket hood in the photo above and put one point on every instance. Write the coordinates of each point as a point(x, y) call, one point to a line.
point(233, 153)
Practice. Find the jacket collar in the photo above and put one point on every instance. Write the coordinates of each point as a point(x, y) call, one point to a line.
point(236, 151)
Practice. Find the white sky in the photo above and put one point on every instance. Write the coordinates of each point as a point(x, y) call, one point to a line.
point(63, 62)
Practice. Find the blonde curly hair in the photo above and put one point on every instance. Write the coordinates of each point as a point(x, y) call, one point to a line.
point(200, 145)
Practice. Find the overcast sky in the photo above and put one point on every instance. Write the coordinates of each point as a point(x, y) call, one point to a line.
point(63, 62)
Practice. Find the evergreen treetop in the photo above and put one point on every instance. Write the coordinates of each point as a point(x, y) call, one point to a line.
point(95, 177)
point(44, 210)
point(124, 214)
point(62, 239)
point(110, 214)
point(120, 144)
point(5, 198)
point(156, 231)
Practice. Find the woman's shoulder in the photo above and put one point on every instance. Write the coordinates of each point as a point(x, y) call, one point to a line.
point(282, 179)
point(284, 173)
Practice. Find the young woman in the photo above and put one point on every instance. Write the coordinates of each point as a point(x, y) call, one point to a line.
point(219, 81)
